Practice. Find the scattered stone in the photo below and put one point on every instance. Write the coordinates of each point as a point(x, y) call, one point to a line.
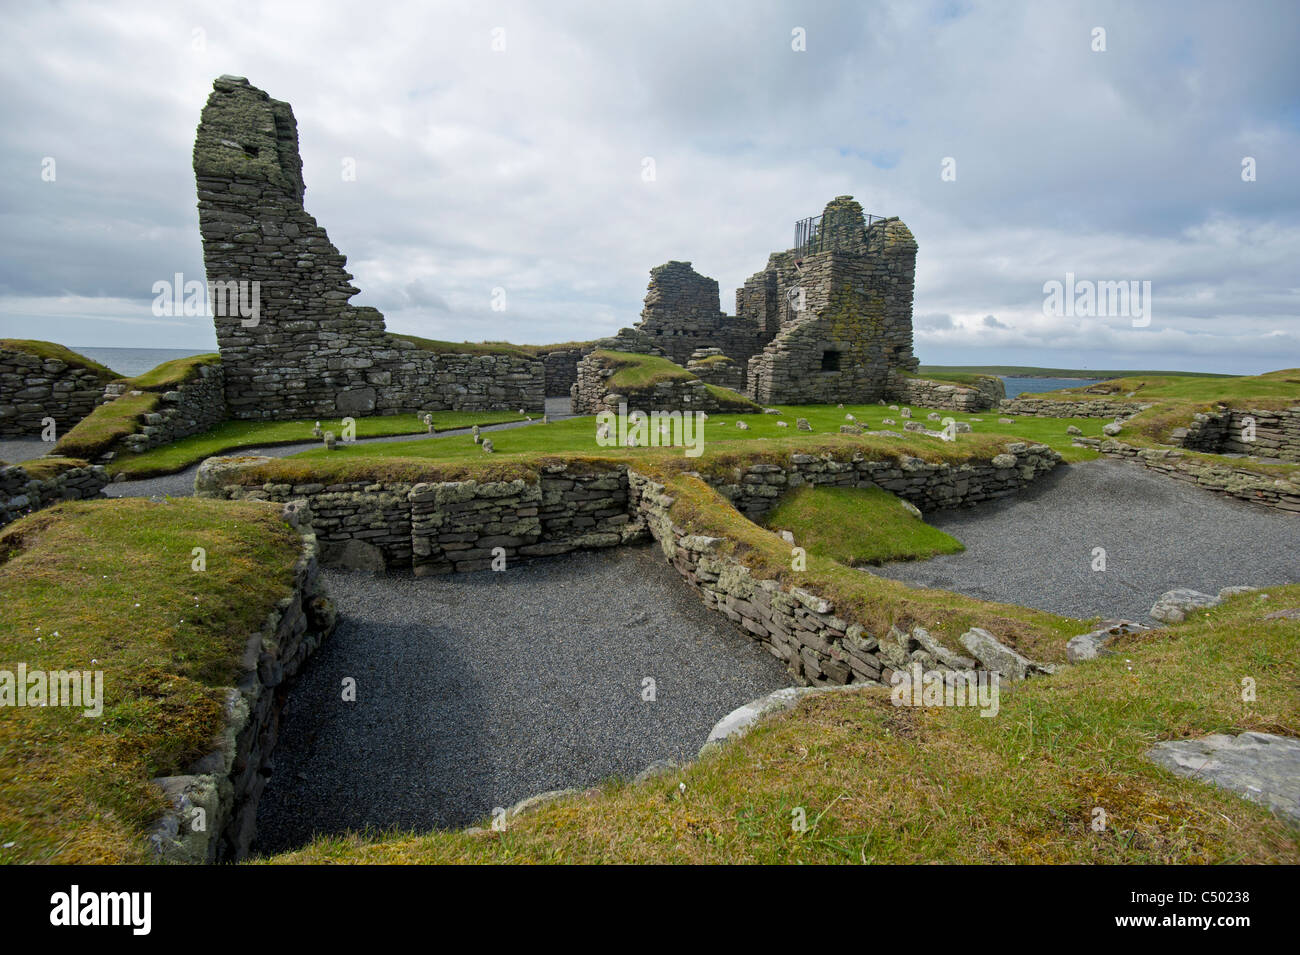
point(1174, 605)
point(889, 421)
point(1089, 646)
point(1112, 429)
point(1261, 767)
point(329, 441)
point(994, 655)
point(933, 416)
point(487, 445)
point(802, 424)
point(742, 426)
point(1006, 421)
point(782, 424)
point(905, 413)
point(1071, 429)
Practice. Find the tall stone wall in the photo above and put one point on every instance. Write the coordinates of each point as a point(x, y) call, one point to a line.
point(34, 388)
point(846, 330)
point(308, 352)
point(682, 313)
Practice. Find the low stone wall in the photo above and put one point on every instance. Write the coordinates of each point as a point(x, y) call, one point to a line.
point(33, 388)
point(1084, 408)
point(197, 405)
point(819, 647)
point(21, 494)
point(712, 366)
point(1240, 483)
point(988, 393)
point(755, 489)
point(228, 782)
point(451, 526)
point(1275, 433)
point(592, 395)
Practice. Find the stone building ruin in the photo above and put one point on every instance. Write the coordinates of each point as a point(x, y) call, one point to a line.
point(829, 320)
point(308, 352)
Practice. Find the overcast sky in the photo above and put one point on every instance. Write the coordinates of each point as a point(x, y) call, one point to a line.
point(523, 168)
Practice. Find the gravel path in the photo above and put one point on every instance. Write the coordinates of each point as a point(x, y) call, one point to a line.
point(1036, 549)
point(18, 450)
point(477, 690)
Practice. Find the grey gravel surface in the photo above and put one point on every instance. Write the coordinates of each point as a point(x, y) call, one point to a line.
point(1036, 549)
point(477, 690)
point(18, 450)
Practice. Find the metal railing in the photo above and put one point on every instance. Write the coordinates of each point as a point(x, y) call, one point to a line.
point(808, 237)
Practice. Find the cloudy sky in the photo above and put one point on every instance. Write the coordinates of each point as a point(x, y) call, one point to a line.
point(524, 168)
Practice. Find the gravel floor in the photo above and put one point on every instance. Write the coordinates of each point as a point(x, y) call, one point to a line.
point(1036, 549)
point(477, 690)
point(18, 450)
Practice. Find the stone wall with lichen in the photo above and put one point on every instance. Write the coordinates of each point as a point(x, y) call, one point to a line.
point(846, 317)
point(305, 351)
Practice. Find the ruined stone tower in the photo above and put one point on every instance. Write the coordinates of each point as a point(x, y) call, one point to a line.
point(841, 305)
point(829, 320)
point(308, 352)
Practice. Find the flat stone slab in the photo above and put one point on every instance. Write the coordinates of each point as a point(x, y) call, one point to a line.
point(1262, 767)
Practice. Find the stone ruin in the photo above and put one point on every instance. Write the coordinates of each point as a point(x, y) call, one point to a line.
point(308, 352)
point(827, 321)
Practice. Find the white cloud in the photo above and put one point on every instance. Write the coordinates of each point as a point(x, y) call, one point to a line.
point(522, 169)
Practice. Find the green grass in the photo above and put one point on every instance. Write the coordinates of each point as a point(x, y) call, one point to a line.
point(857, 526)
point(1029, 371)
point(636, 372)
point(171, 374)
point(109, 423)
point(722, 440)
point(41, 469)
point(106, 425)
point(233, 435)
point(486, 348)
point(1276, 389)
point(885, 784)
point(108, 585)
point(66, 355)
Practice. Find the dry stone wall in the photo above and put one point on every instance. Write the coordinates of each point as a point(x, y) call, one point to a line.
point(450, 526)
point(710, 365)
point(34, 388)
point(1255, 432)
point(988, 393)
point(196, 405)
point(308, 352)
point(754, 490)
point(228, 782)
point(20, 493)
point(1056, 408)
point(846, 333)
point(1241, 483)
point(591, 393)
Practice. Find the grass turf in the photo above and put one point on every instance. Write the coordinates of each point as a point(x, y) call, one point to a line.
point(522, 448)
point(856, 526)
point(41, 349)
point(233, 435)
point(110, 422)
point(108, 586)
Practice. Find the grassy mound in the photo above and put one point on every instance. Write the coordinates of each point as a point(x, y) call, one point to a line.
point(61, 353)
point(855, 526)
point(108, 586)
point(485, 348)
point(885, 784)
point(110, 423)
